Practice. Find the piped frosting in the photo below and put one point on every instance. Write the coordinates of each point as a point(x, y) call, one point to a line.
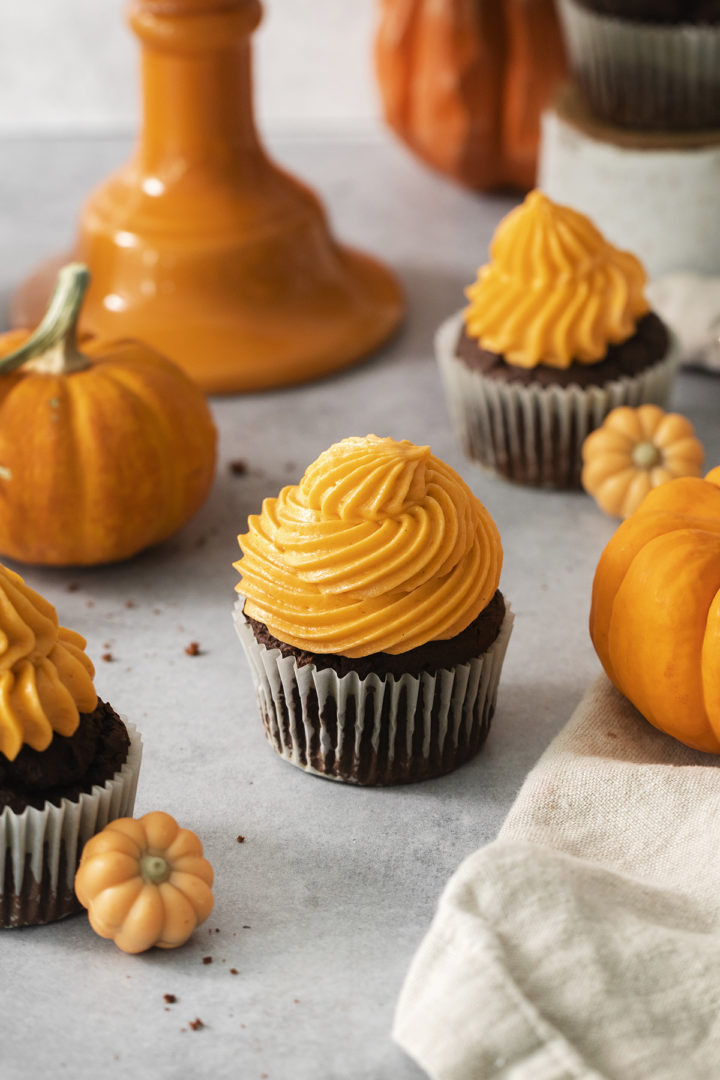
point(381, 547)
point(555, 290)
point(45, 676)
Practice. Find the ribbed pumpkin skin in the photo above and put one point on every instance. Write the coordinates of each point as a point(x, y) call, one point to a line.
point(464, 82)
point(655, 616)
point(100, 463)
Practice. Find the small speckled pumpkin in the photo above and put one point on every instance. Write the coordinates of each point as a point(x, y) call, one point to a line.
point(634, 451)
point(103, 452)
point(145, 882)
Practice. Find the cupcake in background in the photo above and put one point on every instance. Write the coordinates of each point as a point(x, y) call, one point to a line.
point(371, 616)
point(558, 332)
point(652, 65)
point(68, 763)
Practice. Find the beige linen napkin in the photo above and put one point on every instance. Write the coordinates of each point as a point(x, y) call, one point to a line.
point(585, 941)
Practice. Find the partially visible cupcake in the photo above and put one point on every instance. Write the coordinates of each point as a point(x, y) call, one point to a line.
point(371, 615)
point(558, 332)
point(647, 64)
point(68, 763)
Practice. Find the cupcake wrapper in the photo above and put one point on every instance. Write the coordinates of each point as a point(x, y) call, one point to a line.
point(372, 730)
point(40, 849)
point(534, 434)
point(643, 75)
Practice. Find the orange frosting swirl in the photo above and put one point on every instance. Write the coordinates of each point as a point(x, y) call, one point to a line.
point(555, 291)
point(45, 676)
point(381, 547)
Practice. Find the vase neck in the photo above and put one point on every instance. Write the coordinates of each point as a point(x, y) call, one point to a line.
point(196, 82)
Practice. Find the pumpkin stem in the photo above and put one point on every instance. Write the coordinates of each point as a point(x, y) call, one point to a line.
point(52, 347)
point(154, 869)
point(645, 455)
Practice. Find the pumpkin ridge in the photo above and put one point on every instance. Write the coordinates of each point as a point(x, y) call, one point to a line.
point(184, 490)
point(144, 435)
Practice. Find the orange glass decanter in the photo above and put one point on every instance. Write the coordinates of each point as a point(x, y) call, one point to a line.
point(202, 247)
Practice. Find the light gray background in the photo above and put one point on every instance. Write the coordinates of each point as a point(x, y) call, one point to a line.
point(71, 66)
point(337, 885)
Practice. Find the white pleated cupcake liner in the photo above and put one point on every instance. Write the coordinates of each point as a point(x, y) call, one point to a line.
point(373, 730)
point(645, 75)
point(38, 843)
point(534, 434)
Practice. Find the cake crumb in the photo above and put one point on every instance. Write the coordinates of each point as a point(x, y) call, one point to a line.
point(241, 839)
point(107, 657)
point(89, 603)
point(238, 467)
point(193, 649)
point(196, 1024)
point(246, 927)
point(207, 959)
point(72, 587)
point(234, 971)
point(130, 604)
point(169, 998)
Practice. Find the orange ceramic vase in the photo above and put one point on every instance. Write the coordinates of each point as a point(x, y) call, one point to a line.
point(203, 248)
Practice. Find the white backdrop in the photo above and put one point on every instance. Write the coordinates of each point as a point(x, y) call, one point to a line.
point(70, 66)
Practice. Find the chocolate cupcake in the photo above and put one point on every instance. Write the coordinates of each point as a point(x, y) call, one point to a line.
point(558, 333)
point(652, 65)
point(371, 615)
point(68, 763)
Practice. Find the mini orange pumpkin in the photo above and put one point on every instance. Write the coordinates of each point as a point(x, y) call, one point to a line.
point(102, 452)
point(655, 616)
point(635, 450)
point(145, 882)
point(464, 83)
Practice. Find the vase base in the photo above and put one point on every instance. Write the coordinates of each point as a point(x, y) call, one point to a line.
point(232, 339)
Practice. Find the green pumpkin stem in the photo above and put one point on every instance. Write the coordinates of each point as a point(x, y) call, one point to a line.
point(53, 347)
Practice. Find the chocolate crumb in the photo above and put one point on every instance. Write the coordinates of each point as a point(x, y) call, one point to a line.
point(130, 604)
point(238, 467)
point(234, 971)
point(107, 657)
point(193, 649)
point(246, 927)
point(170, 998)
point(241, 839)
point(73, 586)
point(89, 603)
point(217, 929)
point(207, 959)
point(196, 1024)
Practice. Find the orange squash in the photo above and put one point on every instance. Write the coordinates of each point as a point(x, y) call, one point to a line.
point(655, 616)
point(103, 452)
point(635, 450)
point(464, 82)
point(145, 882)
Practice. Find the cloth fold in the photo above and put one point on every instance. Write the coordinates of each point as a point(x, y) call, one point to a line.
point(583, 943)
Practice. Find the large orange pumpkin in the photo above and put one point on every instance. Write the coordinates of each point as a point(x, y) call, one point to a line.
point(655, 617)
point(464, 83)
point(104, 451)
